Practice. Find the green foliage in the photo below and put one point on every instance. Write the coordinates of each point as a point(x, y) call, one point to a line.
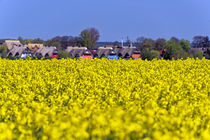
point(148, 44)
point(174, 49)
point(3, 51)
point(86, 39)
point(63, 54)
point(160, 44)
point(185, 45)
point(150, 54)
point(197, 54)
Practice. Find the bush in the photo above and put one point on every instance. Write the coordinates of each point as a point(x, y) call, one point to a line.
point(149, 55)
point(3, 51)
point(196, 54)
point(63, 54)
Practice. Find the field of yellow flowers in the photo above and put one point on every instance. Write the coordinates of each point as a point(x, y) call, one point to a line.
point(104, 99)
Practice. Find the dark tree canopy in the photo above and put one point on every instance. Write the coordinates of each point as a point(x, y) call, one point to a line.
point(201, 42)
point(175, 39)
point(160, 43)
point(148, 44)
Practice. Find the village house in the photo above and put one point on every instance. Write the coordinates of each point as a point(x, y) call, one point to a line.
point(76, 52)
point(19, 52)
point(47, 52)
point(103, 52)
point(11, 43)
point(125, 52)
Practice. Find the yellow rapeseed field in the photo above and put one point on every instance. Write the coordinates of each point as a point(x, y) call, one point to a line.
point(105, 99)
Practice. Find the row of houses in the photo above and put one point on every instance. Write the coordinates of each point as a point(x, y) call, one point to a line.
point(16, 49)
point(109, 52)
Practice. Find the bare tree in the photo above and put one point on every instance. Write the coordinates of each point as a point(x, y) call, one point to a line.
point(94, 35)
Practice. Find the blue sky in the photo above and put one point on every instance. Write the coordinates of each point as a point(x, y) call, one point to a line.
point(113, 18)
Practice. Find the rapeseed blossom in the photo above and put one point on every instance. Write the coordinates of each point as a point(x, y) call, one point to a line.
point(104, 99)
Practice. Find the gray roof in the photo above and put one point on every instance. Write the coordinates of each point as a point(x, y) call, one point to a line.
point(46, 51)
point(16, 51)
point(123, 51)
point(103, 52)
point(77, 51)
point(69, 49)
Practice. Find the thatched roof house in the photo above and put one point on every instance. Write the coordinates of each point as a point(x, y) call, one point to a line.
point(46, 51)
point(77, 52)
point(16, 51)
point(11, 43)
point(103, 52)
point(125, 52)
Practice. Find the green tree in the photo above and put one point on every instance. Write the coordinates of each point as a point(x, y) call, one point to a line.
point(3, 51)
point(160, 44)
point(89, 37)
point(150, 54)
point(174, 49)
point(86, 39)
point(185, 45)
point(147, 44)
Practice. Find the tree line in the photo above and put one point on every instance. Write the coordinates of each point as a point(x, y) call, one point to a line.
point(173, 48)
